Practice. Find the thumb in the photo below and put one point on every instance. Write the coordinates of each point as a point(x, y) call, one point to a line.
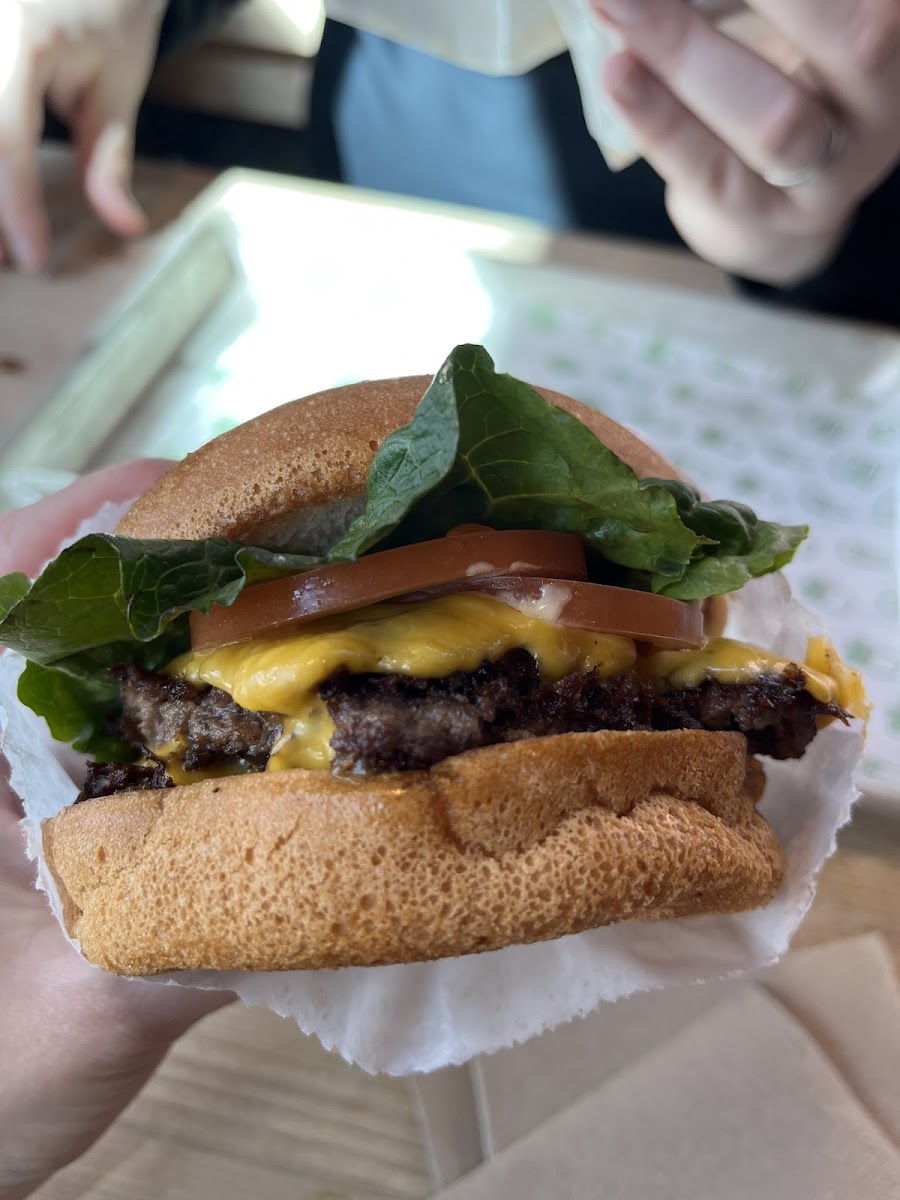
point(30, 536)
point(24, 229)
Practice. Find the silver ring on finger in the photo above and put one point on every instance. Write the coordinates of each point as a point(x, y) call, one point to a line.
point(832, 145)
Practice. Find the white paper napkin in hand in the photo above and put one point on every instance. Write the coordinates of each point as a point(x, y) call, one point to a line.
point(740, 1105)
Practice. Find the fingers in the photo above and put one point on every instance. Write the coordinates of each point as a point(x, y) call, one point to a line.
point(30, 536)
point(24, 229)
point(104, 134)
point(726, 212)
point(165, 1013)
point(853, 44)
point(105, 121)
point(771, 122)
point(94, 77)
point(679, 147)
point(675, 143)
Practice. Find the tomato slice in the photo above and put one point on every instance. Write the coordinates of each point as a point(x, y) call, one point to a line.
point(658, 621)
point(461, 557)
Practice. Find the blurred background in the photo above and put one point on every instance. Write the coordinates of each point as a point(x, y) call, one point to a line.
point(238, 91)
point(253, 289)
point(268, 85)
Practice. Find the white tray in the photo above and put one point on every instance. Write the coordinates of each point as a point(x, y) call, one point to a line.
point(800, 417)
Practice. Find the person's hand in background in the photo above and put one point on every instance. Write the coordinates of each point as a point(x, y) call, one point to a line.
point(763, 170)
point(76, 1044)
point(90, 61)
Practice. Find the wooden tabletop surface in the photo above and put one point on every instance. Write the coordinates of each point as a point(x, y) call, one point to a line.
point(245, 1106)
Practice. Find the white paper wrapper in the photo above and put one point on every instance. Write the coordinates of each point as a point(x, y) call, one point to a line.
point(423, 1016)
point(509, 37)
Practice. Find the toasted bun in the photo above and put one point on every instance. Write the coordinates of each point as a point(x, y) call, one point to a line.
point(293, 478)
point(506, 844)
point(511, 843)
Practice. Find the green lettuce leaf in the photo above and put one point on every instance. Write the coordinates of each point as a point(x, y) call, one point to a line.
point(106, 589)
point(76, 709)
point(12, 589)
point(109, 601)
point(484, 447)
point(737, 545)
point(79, 699)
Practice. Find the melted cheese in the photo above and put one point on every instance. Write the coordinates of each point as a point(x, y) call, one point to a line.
point(282, 673)
point(849, 690)
point(827, 678)
point(727, 661)
point(306, 740)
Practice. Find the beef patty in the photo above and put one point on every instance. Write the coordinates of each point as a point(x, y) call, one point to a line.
point(399, 723)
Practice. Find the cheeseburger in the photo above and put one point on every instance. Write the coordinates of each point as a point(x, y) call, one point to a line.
point(407, 670)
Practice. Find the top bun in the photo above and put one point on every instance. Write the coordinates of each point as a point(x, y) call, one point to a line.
point(294, 478)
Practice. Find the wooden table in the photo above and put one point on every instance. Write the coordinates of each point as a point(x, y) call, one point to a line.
point(245, 1106)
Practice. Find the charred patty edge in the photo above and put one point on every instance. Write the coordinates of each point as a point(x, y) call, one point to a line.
point(386, 723)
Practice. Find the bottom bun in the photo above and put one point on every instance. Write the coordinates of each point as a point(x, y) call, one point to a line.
point(512, 843)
